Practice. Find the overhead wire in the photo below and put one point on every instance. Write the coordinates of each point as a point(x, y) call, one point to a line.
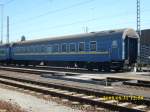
point(76, 22)
point(59, 10)
point(53, 11)
point(8, 2)
point(82, 21)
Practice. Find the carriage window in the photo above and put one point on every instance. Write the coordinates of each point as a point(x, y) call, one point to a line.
point(23, 50)
point(26, 49)
point(55, 48)
point(20, 50)
point(16, 50)
point(32, 49)
point(29, 49)
point(72, 47)
point(93, 46)
point(49, 49)
point(114, 44)
point(64, 47)
point(36, 49)
point(81, 46)
point(43, 49)
point(2, 52)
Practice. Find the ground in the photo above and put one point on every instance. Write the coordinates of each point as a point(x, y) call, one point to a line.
point(29, 103)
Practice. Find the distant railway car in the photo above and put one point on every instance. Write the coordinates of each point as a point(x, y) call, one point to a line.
point(145, 47)
point(4, 53)
point(103, 50)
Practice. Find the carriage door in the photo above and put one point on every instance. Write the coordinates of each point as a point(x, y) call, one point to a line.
point(114, 50)
point(131, 48)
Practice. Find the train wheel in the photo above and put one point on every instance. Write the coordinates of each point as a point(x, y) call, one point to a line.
point(117, 70)
point(89, 67)
point(26, 64)
point(99, 69)
point(106, 68)
point(99, 66)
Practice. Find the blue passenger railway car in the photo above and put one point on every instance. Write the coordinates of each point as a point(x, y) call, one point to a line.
point(103, 50)
point(4, 53)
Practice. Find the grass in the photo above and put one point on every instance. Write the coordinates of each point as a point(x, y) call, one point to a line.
point(8, 107)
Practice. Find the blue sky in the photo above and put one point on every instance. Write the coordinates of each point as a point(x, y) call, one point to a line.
point(47, 18)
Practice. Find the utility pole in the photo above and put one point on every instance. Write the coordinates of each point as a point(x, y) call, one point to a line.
point(139, 32)
point(138, 18)
point(85, 29)
point(7, 29)
point(2, 16)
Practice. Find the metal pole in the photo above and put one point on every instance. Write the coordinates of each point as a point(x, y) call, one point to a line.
point(139, 32)
point(2, 14)
point(86, 29)
point(7, 29)
point(138, 18)
point(106, 82)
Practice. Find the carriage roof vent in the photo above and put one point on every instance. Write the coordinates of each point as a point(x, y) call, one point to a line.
point(111, 31)
point(92, 32)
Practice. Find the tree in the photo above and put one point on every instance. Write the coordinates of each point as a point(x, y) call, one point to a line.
point(23, 38)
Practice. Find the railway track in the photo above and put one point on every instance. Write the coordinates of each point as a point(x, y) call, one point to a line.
point(62, 71)
point(82, 96)
point(137, 84)
point(56, 72)
point(50, 68)
point(38, 70)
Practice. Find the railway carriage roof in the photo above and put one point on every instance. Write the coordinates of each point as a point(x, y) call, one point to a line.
point(125, 32)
